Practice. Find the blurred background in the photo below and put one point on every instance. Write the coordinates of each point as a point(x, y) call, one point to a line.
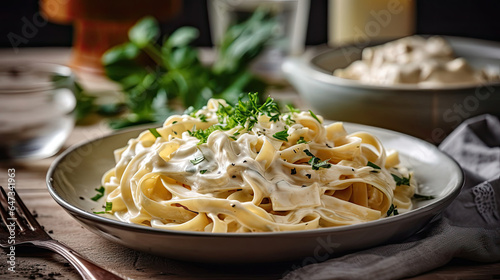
point(476, 19)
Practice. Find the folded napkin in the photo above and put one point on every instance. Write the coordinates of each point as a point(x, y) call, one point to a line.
point(469, 228)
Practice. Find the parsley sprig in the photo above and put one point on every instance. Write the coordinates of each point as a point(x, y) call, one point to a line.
point(245, 113)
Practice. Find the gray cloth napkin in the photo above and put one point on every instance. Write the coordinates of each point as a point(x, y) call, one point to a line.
point(469, 228)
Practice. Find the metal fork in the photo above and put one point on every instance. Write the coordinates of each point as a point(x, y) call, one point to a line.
point(21, 228)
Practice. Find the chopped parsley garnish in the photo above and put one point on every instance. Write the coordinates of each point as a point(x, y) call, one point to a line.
point(154, 132)
point(243, 113)
point(288, 120)
point(401, 180)
point(306, 151)
point(203, 118)
point(316, 162)
point(301, 140)
point(314, 116)
point(246, 113)
point(197, 160)
point(374, 166)
point(292, 109)
point(392, 211)
point(322, 164)
point(107, 209)
point(202, 135)
point(282, 135)
point(190, 111)
point(422, 197)
point(203, 171)
point(100, 193)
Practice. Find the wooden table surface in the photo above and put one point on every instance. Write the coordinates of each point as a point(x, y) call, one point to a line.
point(38, 264)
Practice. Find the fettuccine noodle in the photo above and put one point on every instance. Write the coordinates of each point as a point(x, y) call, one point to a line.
point(274, 173)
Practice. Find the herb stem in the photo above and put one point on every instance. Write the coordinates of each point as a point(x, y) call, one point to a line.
point(152, 50)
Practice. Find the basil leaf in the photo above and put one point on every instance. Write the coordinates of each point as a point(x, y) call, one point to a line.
point(144, 32)
point(181, 37)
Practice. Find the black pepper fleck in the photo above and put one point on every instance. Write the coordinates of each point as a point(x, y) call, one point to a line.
point(308, 176)
point(82, 198)
point(304, 186)
point(244, 161)
point(234, 176)
point(294, 171)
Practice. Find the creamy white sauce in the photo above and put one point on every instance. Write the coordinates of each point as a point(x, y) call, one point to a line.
point(414, 60)
point(251, 181)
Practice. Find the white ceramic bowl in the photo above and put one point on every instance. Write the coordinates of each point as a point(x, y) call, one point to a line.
point(427, 113)
point(75, 174)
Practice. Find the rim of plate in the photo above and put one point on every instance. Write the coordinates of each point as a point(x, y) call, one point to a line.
point(440, 203)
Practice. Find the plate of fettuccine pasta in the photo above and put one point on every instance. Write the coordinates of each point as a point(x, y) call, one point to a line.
point(254, 182)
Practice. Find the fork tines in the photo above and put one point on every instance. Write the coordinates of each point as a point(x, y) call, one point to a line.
point(10, 212)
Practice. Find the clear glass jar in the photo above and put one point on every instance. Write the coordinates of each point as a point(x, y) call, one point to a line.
point(36, 109)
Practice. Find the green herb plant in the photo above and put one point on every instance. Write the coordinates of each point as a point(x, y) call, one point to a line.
point(153, 73)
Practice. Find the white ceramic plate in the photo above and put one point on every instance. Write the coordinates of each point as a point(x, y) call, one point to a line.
point(76, 173)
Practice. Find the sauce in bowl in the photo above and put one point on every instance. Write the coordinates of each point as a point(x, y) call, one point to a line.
point(414, 60)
